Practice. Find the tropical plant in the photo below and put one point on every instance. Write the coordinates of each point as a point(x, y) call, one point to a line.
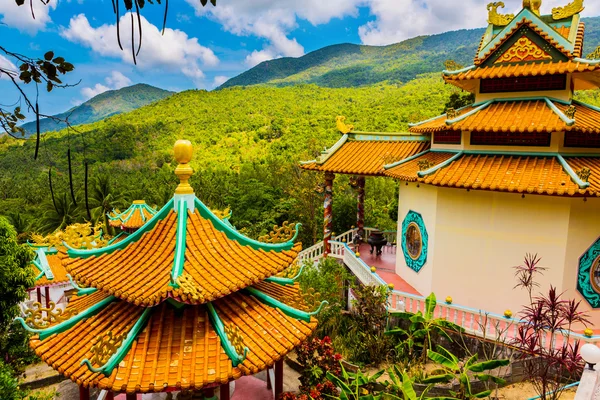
point(401, 384)
point(103, 199)
point(422, 328)
point(317, 357)
point(455, 369)
point(358, 386)
point(365, 338)
point(59, 214)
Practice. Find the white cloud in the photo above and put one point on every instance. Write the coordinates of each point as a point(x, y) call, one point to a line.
point(219, 80)
point(173, 51)
point(274, 20)
point(116, 80)
point(6, 64)
point(399, 20)
point(20, 17)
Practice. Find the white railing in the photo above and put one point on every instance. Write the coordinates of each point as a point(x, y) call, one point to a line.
point(475, 322)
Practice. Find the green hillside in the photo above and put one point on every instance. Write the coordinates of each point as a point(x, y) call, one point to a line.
point(350, 65)
point(248, 142)
point(103, 106)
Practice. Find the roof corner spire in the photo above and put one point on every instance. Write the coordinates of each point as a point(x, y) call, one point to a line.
point(533, 5)
point(183, 155)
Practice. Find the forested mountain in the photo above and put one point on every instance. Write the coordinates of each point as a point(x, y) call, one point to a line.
point(350, 65)
point(104, 105)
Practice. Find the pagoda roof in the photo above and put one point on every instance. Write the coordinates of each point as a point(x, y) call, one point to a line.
point(544, 174)
point(583, 79)
point(48, 263)
point(517, 115)
point(216, 258)
point(230, 308)
point(166, 347)
point(133, 218)
point(365, 153)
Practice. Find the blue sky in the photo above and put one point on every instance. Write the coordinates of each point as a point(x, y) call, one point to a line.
point(202, 47)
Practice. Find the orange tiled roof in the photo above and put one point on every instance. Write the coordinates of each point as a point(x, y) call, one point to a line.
point(58, 270)
point(517, 70)
point(506, 173)
point(133, 218)
point(408, 171)
point(516, 116)
point(176, 349)
point(578, 51)
point(217, 264)
point(532, 26)
point(367, 157)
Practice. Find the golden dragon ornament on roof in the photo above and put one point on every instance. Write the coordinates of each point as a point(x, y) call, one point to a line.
point(569, 10)
point(497, 19)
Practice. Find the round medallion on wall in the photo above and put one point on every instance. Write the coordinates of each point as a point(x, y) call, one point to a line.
point(588, 279)
point(414, 241)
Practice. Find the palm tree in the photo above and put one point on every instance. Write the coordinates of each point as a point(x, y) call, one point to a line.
point(57, 218)
point(103, 199)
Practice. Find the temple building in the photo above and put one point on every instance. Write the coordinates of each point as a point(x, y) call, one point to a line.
point(133, 218)
point(516, 172)
point(184, 304)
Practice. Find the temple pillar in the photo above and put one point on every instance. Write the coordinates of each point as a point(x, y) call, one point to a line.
point(47, 296)
point(360, 206)
point(109, 395)
point(328, 213)
point(269, 384)
point(84, 393)
point(278, 378)
point(131, 396)
point(224, 393)
point(209, 394)
point(39, 294)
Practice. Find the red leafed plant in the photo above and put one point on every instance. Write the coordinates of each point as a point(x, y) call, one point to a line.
point(318, 357)
point(544, 337)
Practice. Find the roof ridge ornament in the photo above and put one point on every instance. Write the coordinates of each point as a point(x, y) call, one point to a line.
point(342, 127)
point(533, 5)
point(569, 10)
point(496, 18)
point(184, 152)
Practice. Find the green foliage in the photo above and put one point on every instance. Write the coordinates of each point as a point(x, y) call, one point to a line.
point(422, 328)
point(104, 105)
point(365, 339)
point(358, 386)
point(9, 385)
point(454, 369)
point(329, 280)
point(458, 100)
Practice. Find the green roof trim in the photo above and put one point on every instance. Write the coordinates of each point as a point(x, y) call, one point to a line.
point(134, 237)
point(232, 234)
point(68, 324)
point(449, 161)
point(236, 359)
point(458, 71)
point(123, 233)
point(468, 114)
point(398, 163)
point(436, 117)
point(586, 61)
point(41, 262)
point(561, 115)
point(180, 244)
point(81, 291)
point(571, 173)
point(286, 309)
point(285, 281)
point(116, 358)
point(328, 153)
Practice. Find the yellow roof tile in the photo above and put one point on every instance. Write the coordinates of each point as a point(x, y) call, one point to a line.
point(368, 157)
point(408, 171)
point(176, 349)
point(58, 270)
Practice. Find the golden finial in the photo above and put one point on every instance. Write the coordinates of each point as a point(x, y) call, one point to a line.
point(533, 5)
point(342, 127)
point(495, 18)
point(183, 155)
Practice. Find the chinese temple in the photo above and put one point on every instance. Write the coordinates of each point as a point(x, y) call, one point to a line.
point(184, 304)
point(133, 218)
point(516, 172)
point(51, 282)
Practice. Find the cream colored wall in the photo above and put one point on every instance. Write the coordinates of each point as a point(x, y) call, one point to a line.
point(421, 199)
point(584, 230)
point(477, 237)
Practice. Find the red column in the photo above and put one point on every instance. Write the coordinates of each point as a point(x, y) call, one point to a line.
point(39, 295)
point(278, 378)
point(224, 391)
point(209, 394)
point(47, 296)
point(131, 396)
point(328, 212)
point(269, 379)
point(84, 393)
point(110, 396)
point(360, 212)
